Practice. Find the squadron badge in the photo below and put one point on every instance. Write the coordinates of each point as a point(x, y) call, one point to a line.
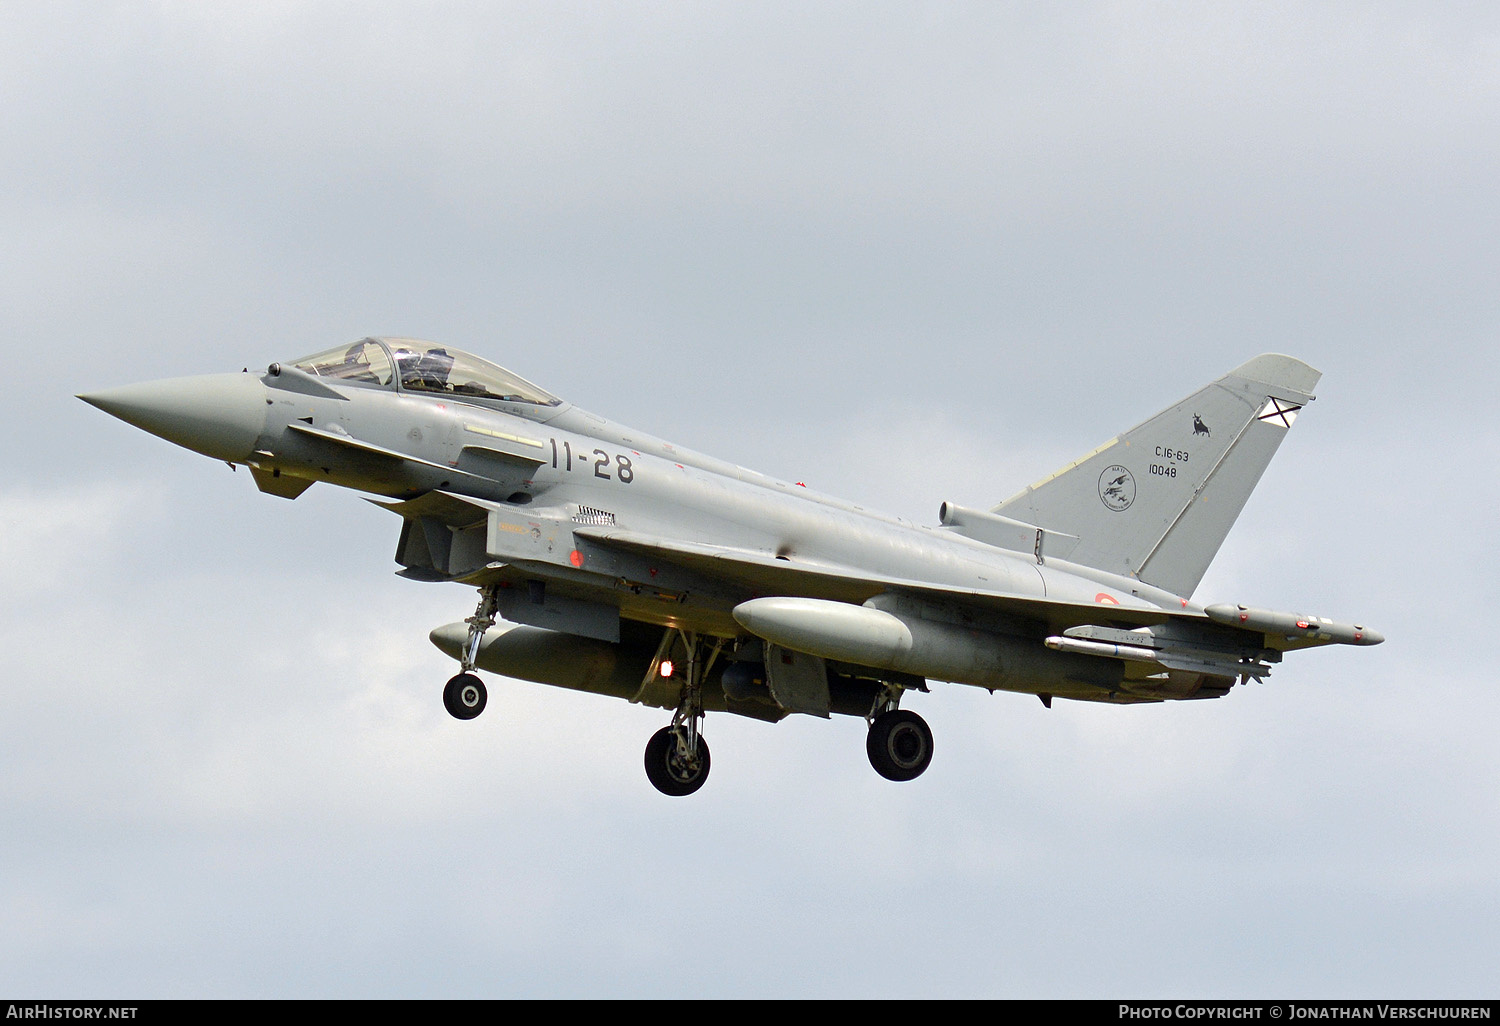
point(1116, 488)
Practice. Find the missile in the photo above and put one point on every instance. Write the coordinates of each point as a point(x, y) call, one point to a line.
point(1112, 650)
point(1293, 625)
point(1172, 657)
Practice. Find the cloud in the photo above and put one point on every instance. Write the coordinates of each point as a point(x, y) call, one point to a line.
point(54, 534)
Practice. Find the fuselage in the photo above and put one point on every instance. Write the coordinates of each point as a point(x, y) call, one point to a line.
point(644, 484)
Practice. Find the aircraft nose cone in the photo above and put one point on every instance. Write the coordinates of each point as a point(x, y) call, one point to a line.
point(219, 415)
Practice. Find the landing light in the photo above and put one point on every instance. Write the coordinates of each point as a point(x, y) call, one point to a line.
point(666, 667)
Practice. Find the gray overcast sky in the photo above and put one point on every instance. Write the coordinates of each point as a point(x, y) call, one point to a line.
point(903, 252)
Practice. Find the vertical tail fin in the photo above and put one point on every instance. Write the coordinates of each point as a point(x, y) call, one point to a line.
point(1157, 502)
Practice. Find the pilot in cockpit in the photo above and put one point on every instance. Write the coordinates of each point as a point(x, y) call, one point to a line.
point(424, 372)
point(434, 368)
point(407, 364)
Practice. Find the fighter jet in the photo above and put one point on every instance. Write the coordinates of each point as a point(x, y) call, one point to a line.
point(610, 561)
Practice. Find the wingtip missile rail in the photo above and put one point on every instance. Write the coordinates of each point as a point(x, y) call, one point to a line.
point(1293, 626)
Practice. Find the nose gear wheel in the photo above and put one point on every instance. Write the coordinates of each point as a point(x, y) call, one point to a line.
point(464, 696)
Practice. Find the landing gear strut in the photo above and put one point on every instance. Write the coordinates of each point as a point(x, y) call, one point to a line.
point(677, 758)
point(900, 742)
point(464, 696)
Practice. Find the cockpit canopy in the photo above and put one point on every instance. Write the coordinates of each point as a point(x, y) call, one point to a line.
point(412, 365)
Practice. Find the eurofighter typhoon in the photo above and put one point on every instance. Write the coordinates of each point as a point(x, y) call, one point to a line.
point(610, 561)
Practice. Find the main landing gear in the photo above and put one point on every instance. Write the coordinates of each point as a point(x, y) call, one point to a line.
point(675, 764)
point(677, 758)
point(900, 742)
point(464, 695)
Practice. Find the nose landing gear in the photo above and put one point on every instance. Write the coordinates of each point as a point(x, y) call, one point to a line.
point(464, 696)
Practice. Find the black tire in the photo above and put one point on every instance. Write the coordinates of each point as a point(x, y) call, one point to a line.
point(666, 770)
point(899, 745)
point(464, 696)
